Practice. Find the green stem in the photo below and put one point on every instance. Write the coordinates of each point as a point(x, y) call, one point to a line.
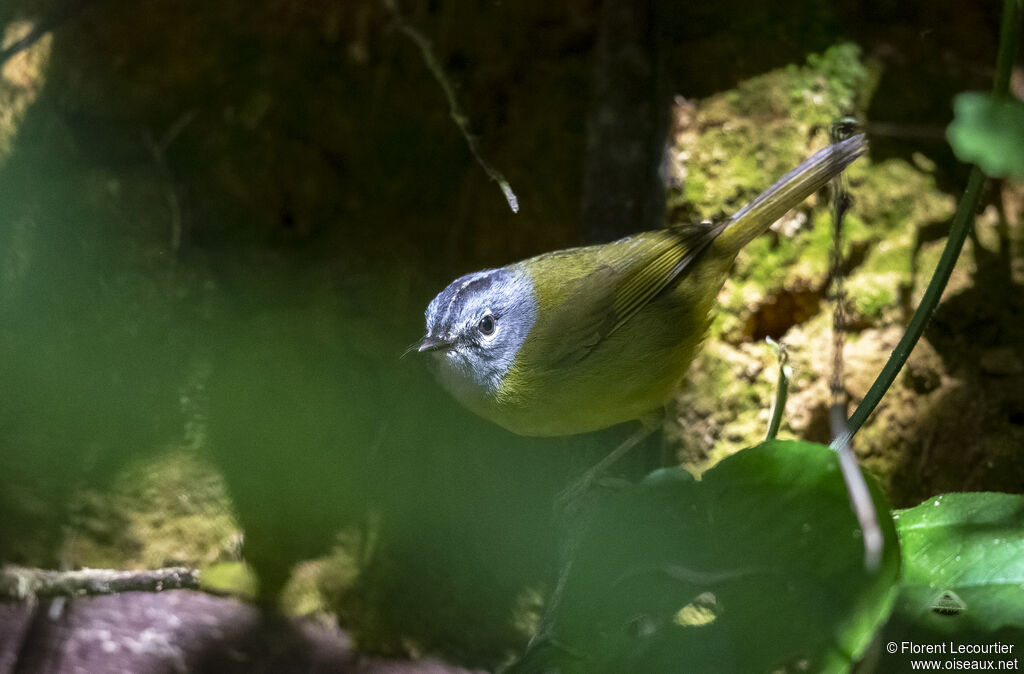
point(781, 390)
point(1009, 34)
point(962, 221)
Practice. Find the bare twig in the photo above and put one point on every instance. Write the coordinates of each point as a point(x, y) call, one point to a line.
point(454, 109)
point(17, 582)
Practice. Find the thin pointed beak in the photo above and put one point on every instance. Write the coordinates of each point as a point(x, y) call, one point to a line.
point(428, 343)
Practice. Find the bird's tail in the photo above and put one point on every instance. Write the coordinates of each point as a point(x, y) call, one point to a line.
point(788, 191)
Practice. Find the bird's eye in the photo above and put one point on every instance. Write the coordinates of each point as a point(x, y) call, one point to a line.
point(486, 325)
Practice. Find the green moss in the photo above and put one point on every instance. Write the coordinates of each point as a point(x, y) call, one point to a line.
point(843, 75)
point(738, 143)
point(814, 246)
point(731, 164)
point(753, 134)
point(765, 260)
point(170, 509)
point(891, 257)
point(727, 399)
point(302, 596)
point(746, 139)
point(872, 295)
point(895, 196)
point(826, 87)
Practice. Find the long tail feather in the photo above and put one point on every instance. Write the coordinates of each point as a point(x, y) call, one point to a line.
point(788, 191)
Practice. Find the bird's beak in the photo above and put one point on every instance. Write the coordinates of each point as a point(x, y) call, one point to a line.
point(428, 343)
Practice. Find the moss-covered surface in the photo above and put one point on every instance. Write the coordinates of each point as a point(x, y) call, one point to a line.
point(168, 510)
point(745, 138)
point(780, 284)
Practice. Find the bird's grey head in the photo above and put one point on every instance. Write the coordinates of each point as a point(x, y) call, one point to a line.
point(475, 328)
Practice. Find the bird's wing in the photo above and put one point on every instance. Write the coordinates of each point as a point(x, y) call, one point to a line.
point(626, 277)
point(669, 256)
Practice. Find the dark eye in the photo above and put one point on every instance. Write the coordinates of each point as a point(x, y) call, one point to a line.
point(486, 325)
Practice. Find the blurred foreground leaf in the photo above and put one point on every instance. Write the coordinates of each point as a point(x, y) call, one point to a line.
point(676, 575)
point(989, 131)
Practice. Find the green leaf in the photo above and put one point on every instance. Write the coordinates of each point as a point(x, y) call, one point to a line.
point(757, 567)
point(989, 131)
point(963, 563)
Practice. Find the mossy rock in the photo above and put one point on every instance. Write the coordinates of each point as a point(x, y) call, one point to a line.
point(739, 142)
point(166, 510)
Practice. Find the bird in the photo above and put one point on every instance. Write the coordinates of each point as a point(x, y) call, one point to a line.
point(581, 339)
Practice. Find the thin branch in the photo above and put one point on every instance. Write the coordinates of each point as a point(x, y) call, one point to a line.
point(22, 583)
point(454, 109)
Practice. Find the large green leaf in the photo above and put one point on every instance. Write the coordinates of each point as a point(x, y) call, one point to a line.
point(963, 563)
point(989, 132)
point(758, 567)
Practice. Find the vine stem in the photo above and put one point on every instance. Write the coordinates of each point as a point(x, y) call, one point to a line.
point(962, 221)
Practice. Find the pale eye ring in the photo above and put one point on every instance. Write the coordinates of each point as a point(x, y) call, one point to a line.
point(487, 325)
